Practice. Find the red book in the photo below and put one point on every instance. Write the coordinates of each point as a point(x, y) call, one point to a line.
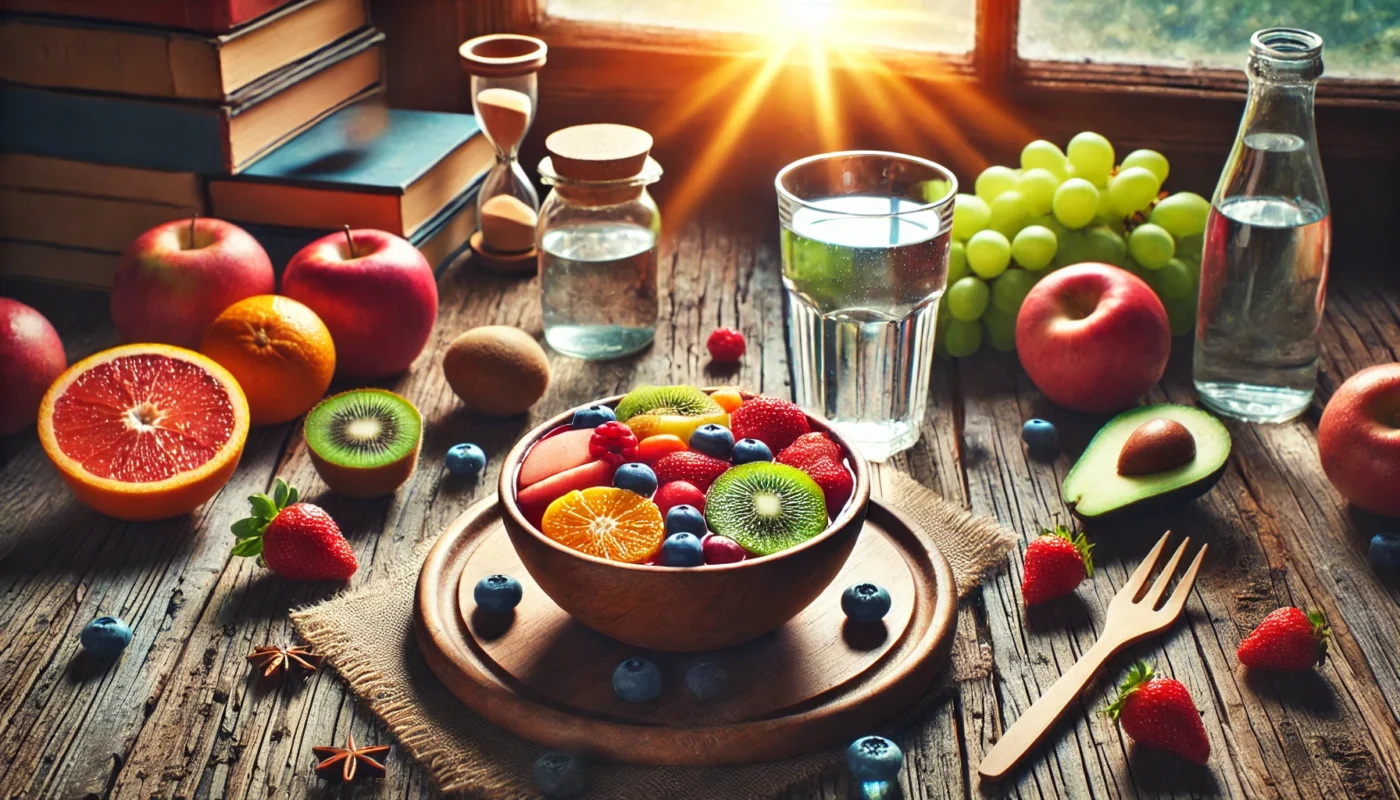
point(204, 16)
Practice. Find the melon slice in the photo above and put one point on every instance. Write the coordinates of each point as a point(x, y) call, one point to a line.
point(555, 455)
point(534, 499)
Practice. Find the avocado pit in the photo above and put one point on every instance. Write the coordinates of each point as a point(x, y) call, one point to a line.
point(1156, 446)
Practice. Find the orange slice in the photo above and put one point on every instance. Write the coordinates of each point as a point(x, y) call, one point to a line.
point(605, 522)
point(144, 431)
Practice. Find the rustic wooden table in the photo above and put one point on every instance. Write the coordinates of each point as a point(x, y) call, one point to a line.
point(179, 716)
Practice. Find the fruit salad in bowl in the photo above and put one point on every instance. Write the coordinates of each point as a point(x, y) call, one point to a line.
point(680, 519)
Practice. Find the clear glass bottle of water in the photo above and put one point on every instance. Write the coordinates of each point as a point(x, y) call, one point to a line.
point(1264, 262)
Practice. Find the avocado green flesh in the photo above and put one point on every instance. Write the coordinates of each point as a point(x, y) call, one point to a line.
point(1095, 489)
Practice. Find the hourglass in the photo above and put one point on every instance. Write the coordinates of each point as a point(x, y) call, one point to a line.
point(503, 85)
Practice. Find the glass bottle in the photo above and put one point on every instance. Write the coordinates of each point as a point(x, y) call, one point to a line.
point(598, 235)
point(1267, 239)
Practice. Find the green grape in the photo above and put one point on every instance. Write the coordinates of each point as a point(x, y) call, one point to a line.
point(1037, 188)
point(1000, 328)
point(963, 338)
point(967, 299)
point(993, 181)
point(1150, 160)
point(970, 215)
point(1009, 213)
point(1151, 245)
point(1132, 266)
point(1182, 214)
point(1092, 157)
point(1132, 189)
point(1075, 203)
point(1034, 247)
point(988, 254)
point(1010, 290)
point(1049, 221)
point(1188, 248)
point(1181, 314)
point(1106, 246)
point(935, 189)
point(957, 261)
point(1073, 249)
point(1041, 154)
point(1174, 280)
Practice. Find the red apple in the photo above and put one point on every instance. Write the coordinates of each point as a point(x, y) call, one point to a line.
point(379, 302)
point(1093, 337)
point(31, 357)
point(1359, 439)
point(169, 289)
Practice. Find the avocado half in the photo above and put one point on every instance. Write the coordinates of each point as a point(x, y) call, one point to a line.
point(1095, 490)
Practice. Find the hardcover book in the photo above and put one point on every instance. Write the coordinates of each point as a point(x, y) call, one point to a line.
point(204, 16)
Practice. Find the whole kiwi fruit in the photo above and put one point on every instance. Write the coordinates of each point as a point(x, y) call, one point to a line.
point(496, 370)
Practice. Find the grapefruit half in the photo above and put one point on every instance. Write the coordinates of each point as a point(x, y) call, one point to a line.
point(144, 431)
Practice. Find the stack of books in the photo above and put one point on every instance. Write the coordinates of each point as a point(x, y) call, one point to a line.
point(117, 116)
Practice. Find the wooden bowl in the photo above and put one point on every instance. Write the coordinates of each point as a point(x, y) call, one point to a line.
point(683, 608)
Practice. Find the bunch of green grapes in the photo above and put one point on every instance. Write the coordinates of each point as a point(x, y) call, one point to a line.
point(1066, 207)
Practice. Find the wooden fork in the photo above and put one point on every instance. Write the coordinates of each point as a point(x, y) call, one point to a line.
point(1131, 616)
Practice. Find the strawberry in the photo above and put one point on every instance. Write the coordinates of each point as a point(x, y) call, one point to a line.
point(1056, 561)
point(614, 443)
point(776, 423)
point(835, 480)
point(697, 469)
point(1287, 640)
point(726, 345)
point(295, 540)
point(809, 447)
point(1159, 712)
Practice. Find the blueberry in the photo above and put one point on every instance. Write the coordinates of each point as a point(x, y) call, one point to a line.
point(466, 460)
point(1040, 436)
point(637, 478)
point(497, 594)
point(685, 519)
point(682, 550)
point(713, 440)
point(1385, 550)
point(592, 417)
point(747, 451)
point(559, 775)
point(637, 680)
point(707, 681)
point(865, 602)
point(874, 758)
point(105, 637)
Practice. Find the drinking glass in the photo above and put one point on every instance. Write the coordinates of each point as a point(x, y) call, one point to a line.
point(865, 239)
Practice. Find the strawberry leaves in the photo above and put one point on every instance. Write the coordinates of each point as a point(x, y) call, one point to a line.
point(249, 530)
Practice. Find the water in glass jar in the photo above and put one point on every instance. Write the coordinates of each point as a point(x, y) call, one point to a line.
point(1263, 274)
point(598, 289)
point(863, 294)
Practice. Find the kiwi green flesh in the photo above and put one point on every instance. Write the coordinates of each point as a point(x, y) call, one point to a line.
point(683, 401)
point(766, 507)
point(363, 429)
point(1095, 490)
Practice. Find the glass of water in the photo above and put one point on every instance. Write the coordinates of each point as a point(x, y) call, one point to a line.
point(865, 260)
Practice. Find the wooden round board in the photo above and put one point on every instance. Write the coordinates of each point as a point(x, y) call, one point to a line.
point(815, 682)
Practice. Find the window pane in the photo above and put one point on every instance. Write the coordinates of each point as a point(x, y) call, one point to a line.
point(938, 25)
point(1361, 37)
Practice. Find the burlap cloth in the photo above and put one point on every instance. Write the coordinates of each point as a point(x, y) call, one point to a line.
point(367, 635)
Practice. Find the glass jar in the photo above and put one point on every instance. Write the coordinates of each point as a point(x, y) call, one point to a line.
point(597, 238)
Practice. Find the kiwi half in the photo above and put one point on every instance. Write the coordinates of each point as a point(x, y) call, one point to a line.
point(681, 401)
point(364, 442)
point(766, 507)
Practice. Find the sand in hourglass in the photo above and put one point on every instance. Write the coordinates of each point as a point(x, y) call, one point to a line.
point(507, 224)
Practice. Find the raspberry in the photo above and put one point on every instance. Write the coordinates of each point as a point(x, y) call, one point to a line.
point(614, 443)
point(726, 345)
point(808, 448)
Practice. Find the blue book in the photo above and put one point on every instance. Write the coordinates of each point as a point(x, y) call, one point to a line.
point(364, 166)
point(189, 137)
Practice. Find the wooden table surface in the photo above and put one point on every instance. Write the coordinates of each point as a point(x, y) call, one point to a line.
point(179, 716)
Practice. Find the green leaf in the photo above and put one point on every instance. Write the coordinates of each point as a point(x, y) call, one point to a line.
point(248, 526)
point(292, 495)
point(248, 547)
point(263, 507)
point(279, 493)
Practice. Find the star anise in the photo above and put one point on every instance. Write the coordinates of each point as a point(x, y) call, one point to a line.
point(348, 763)
point(276, 661)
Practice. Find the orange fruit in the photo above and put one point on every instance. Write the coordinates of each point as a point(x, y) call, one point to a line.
point(605, 522)
point(280, 352)
point(144, 431)
point(728, 398)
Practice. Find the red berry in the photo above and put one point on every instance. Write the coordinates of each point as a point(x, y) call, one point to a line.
point(1288, 639)
point(678, 493)
point(835, 480)
point(776, 423)
point(296, 540)
point(1056, 561)
point(1159, 712)
point(726, 345)
point(614, 443)
point(722, 550)
point(695, 468)
point(808, 448)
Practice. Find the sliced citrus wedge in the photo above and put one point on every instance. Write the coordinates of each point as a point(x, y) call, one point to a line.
point(144, 431)
point(607, 523)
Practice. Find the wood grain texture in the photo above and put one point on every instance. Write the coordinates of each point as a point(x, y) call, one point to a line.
point(178, 715)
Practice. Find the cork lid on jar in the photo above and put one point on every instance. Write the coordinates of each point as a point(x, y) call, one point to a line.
point(598, 152)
